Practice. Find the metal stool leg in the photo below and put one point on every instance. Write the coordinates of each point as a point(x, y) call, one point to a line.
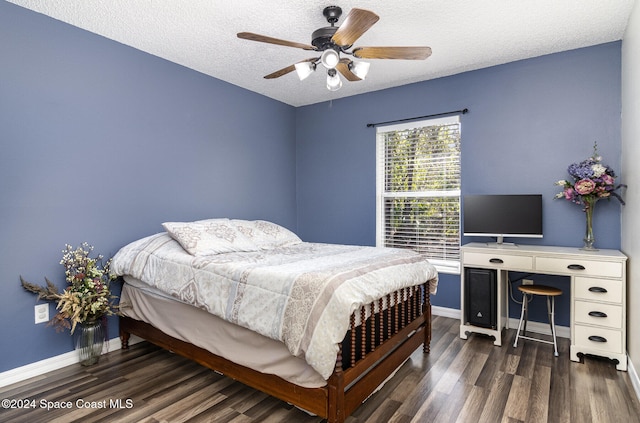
point(526, 314)
point(551, 305)
point(528, 294)
point(522, 313)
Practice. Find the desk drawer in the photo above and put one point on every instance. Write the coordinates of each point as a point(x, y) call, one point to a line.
point(598, 289)
point(498, 261)
point(598, 314)
point(606, 340)
point(578, 266)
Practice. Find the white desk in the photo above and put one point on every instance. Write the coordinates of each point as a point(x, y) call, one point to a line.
point(598, 292)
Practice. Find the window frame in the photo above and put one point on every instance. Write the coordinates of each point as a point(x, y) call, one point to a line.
point(451, 266)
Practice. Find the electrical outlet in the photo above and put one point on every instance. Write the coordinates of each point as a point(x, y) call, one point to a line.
point(42, 313)
point(527, 282)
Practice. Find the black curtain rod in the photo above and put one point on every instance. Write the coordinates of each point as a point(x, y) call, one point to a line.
point(463, 111)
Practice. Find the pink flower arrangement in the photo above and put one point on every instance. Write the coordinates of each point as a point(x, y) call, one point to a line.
point(592, 181)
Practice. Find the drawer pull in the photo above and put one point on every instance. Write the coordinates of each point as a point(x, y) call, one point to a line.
point(597, 314)
point(575, 267)
point(595, 338)
point(496, 260)
point(597, 289)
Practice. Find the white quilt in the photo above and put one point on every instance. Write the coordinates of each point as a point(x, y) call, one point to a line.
point(301, 294)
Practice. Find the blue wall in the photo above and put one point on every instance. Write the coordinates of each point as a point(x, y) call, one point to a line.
point(528, 121)
point(102, 143)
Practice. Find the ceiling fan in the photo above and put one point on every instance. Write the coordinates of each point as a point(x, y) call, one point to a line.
point(333, 41)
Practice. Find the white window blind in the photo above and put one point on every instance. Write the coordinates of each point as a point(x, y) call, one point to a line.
point(418, 189)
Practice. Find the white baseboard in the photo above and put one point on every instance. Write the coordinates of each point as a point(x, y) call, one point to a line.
point(536, 327)
point(633, 375)
point(451, 313)
point(41, 367)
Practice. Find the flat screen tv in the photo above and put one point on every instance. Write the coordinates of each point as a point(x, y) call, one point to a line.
point(502, 216)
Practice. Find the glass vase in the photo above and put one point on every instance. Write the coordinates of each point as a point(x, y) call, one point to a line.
point(89, 342)
point(589, 239)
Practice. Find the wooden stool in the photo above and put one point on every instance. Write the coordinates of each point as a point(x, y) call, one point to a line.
point(551, 293)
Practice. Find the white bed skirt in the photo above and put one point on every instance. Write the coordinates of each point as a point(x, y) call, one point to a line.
point(200, 328)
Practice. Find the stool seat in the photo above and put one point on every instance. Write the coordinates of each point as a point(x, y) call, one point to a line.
point(528, 291)
point(540, 290)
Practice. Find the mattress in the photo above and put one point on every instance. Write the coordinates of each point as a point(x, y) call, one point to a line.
point(300, 295)
point(207, 331)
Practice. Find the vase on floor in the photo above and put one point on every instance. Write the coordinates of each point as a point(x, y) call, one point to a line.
point(89, 342)
point(589, 239)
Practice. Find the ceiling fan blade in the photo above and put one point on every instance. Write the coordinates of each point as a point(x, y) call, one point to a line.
point(406, 53)
point(288, 69)
point(270, 40)
point(343, 68)
point(279, 73)
point(357, 22)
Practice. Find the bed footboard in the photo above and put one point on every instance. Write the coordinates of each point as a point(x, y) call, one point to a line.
point(382, 335)
point(394, 327)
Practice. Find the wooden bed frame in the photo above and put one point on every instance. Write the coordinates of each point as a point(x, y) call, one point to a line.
point(396, 326)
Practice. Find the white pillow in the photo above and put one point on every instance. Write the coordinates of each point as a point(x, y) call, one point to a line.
point(266, 235)
point(206, 237)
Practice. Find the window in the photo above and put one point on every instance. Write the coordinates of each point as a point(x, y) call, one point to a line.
point(418, 189)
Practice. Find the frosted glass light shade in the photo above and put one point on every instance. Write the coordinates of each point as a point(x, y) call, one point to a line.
point(304, 69)
point(330, 59)
point(360, 69)
point(334, 83)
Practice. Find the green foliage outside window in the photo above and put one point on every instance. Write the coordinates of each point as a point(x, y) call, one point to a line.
point(422, 186)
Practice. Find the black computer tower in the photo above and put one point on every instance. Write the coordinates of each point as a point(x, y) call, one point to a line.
point(480, 289)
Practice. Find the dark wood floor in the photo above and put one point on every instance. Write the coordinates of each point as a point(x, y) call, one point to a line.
point(463, 381)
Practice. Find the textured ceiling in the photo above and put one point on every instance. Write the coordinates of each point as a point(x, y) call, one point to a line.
point(463, 34)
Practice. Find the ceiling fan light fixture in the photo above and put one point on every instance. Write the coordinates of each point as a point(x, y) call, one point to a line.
point(359, 69)
point(334, 83)
point(332, 41)
point(330, 58)
point(304, 69)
